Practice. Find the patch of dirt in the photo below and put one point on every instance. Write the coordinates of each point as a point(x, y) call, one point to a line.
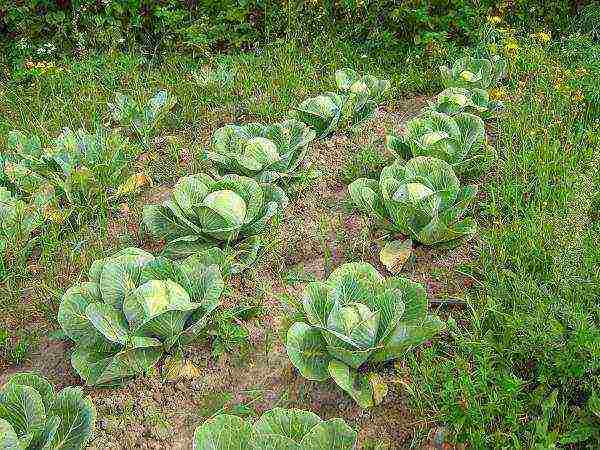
point(50, 359)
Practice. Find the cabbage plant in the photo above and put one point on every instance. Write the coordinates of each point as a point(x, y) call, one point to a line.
point(19, 222)
point(354, 319)
point(478, 73)
point(355, 103)
point(264, 152)
point(456, 100)
point(83, 169)
point(277, 429)
point(204, 211)
point(421, 198)
point(142, 119)
point(459, 140)
point(133, 309)
point(34, 417)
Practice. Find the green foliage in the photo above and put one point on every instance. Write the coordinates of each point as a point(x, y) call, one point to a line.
point(459, 140)
point(228, 334)
point(201, 25)
point(529, 343)
point(366, 162)
point(279, 428)
point(457, 100)
point(206, 211)
point(358, 317)
point(19, 222)
point(79, 171)
point(134, 308)
point(142, 120)
point(588, 21)
point(267, 153)
point(34, 417)
point(16, 349)
point(349, 109)
point(422, 198)
point(474, 73)
point(208, 25)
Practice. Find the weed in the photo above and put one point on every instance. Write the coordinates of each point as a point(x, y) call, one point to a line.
point(366, 162)
point(14, 350)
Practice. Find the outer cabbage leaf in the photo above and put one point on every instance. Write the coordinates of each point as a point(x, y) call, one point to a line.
point(308, 351)
point(332, 434)
point(77, 417)
point(8, 438)
point(23, 407)
point(356, 385)
point(112, 367)
point(223, 432)
point(294, 424)
point(40, 384)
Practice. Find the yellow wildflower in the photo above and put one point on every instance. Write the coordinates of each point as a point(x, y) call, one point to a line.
point(494, 20)
point(577, 95)
point(498, 93)
point(543, 37)
point(511, 48)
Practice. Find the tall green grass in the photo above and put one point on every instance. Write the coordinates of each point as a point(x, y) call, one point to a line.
point(520, 367)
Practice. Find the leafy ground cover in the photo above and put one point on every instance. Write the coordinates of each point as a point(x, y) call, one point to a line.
point(518, 365)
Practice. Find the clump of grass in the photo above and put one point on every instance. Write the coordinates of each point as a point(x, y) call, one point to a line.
point(366, 162)
point(15, 350)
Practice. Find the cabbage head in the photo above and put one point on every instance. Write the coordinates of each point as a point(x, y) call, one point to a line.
point(354, 104)
point(264, 152)
point(459, 140)
point(277, 429)
point(356, 318)
point(421, 198)
point(209, 211)
point(456, 100)
point(134, 308)
point(478, 73)
point(34, 417)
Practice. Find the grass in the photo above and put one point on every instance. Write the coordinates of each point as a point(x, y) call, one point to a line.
point(265, 84)
point(531, 330)
point(520, 365)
